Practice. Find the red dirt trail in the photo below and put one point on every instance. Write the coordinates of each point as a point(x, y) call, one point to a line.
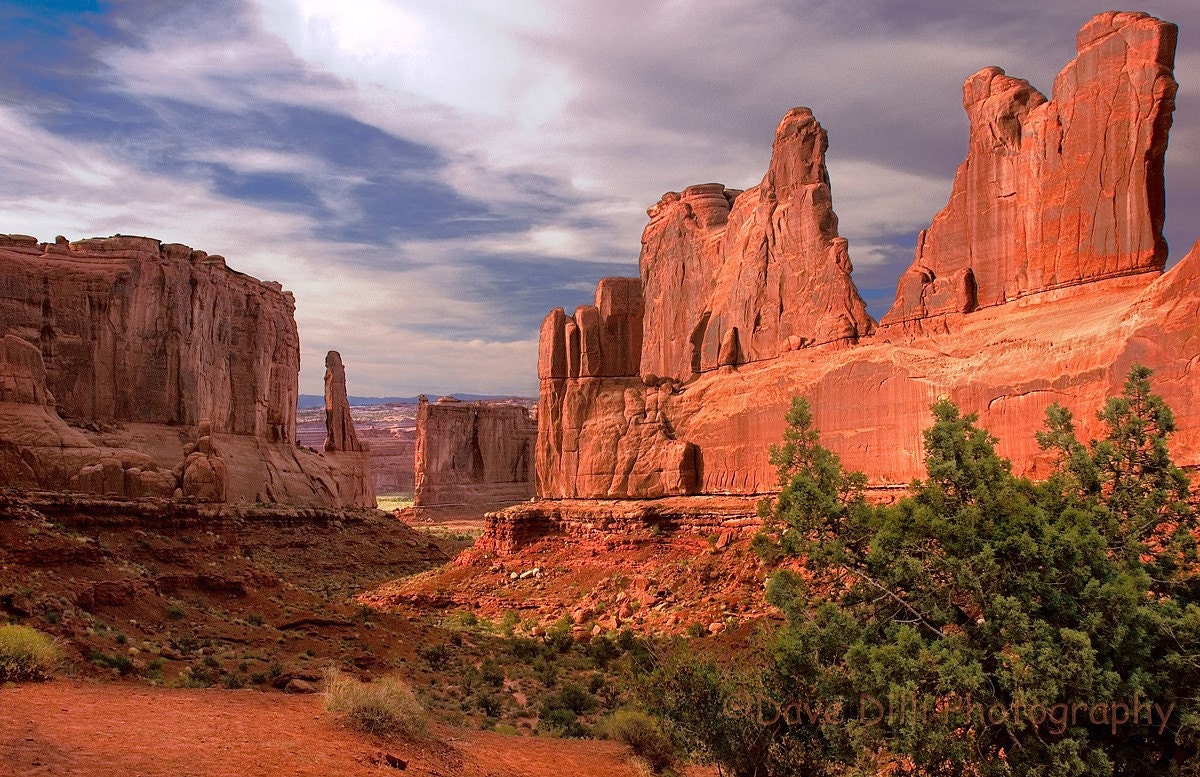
point(69, 727)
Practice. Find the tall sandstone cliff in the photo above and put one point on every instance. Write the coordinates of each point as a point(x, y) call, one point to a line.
point(472, 454)
point(157, 371)
point(1055, 192)
point(1040, 282)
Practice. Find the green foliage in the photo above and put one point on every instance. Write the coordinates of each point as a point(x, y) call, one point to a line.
point(437, 656)
point(602, 649)
point(984, 604)
point(562, 721)
point(558, 637)
point(709, 709)
point(26, 654)
point(644, 735)
point(491, 673)
point(576, 698)
point(122, 665)
point(1128, 479)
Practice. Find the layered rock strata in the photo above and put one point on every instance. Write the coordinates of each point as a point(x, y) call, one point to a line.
point(602, 429)
point(472, 454)
point(151, 369)
point(1040, 282)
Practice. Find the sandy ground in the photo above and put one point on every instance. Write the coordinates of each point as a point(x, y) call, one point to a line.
point(70, 727)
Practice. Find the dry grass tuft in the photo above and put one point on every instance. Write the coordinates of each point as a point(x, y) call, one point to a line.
point(26, 654)
point(387, 706)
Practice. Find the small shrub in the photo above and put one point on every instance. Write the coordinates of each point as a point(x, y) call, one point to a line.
point(437, 656)
point(524, 649)
point(175, 613)
point(546, 672)
point(186, 643)
point(643, 735)
point(387, 706)
point(576, 698)
point(563, 722)
point(26, 654)
point(492, 673)
point(254, 619)
point(602, 649)
point(491, 704)
point(122, 664)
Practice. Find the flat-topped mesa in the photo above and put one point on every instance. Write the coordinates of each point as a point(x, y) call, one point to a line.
point(339, 426)
point(178, 377)
point(472, 454)
point(1058, 192)
point(768, 275)
point(132, 329)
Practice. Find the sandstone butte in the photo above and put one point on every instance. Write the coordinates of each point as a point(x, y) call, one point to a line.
point(472, 454)
point(1041, 281)
point(138, 369)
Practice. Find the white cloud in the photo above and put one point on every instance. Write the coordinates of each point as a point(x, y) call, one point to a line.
point(379, 319)
point(610, 104)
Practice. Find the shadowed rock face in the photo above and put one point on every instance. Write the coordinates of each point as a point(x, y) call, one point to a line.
point(472, 454)
point(1040, 282)
point(1054, 192)
point(178, 376)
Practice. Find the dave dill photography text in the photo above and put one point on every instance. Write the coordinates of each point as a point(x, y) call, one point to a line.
point(912, 708)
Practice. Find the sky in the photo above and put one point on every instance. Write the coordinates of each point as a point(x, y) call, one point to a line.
point(431, 178)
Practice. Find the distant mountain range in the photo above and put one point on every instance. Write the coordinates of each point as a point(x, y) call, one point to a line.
point(308, 401)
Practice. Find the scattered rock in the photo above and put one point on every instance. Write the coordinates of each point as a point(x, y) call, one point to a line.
point(296, 685)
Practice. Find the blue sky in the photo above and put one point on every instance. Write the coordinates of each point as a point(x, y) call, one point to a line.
point(431, 178)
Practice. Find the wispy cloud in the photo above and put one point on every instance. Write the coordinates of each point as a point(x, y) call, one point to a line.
point(430, 178)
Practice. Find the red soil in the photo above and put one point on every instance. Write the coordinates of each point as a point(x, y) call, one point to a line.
point(118, 730)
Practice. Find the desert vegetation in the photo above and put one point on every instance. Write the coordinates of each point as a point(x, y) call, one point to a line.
point(384, 706)
point(983, 625)
point(26, 654)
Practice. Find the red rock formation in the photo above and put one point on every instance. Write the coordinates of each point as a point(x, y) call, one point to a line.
point(339, 426)
point(131, 329)
point(1054, 193)
point(733, 277)
point(22, 373)
point(393, 458)
point(178, 375)
point(473, 454)
point(1057, 212)
point(601, 431)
